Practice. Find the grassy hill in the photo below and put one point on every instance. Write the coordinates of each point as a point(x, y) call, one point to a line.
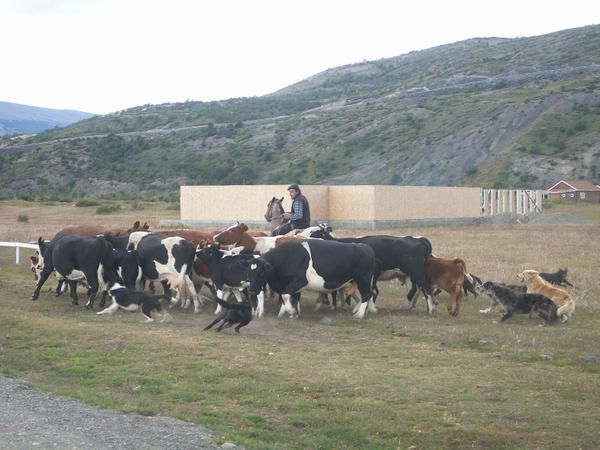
point(488, 111)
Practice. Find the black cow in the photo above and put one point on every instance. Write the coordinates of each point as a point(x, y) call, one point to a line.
point(170, 260)
point(69, 254)
point(229, 273)
point(314, 265)
point(399, 256)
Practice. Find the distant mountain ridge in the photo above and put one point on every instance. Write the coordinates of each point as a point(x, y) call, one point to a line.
point(16, 118)
point(492, 112)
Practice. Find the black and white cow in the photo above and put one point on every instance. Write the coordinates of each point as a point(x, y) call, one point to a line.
point(169, 260)
point(399, 256)
point(314, 265)
point(229, 273)
point(71, 256)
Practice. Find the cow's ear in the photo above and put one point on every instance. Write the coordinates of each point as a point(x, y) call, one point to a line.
point(243, 227)
point(136, 225)
point(40, 241)
point(281, 199)
point(146, 226)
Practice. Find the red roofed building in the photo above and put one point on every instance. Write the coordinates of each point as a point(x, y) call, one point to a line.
point(578, 190)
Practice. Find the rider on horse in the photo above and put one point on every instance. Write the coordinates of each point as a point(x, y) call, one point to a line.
point(300, 214)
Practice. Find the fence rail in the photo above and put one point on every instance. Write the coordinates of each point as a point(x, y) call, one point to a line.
point(18, 246)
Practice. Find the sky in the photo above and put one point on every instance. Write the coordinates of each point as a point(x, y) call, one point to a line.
point(101, 56)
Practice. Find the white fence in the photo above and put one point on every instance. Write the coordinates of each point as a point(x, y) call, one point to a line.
point(18, 246)
point(510, 201)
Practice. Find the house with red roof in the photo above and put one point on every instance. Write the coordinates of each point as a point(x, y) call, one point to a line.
point(577, 190)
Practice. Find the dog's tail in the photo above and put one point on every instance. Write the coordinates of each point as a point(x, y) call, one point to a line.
point(566, 309)
point(237, 306)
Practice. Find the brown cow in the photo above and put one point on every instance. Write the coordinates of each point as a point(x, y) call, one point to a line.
point(447, 274)
point(238, 236)
point(95, 230)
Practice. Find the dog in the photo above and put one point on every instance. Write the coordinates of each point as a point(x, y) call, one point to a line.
point(131, 300)
point(537, 285)
point(558, 278)
point(518, 288)
point(240, 313)
point(512, 301)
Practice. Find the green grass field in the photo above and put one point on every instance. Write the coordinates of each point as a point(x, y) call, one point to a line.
point(398, 379)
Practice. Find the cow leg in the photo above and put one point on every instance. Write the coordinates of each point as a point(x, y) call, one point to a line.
point(60, 287)
point(454, 302)
point(286, 306)
point(73, 291)
point(223, 295)
point(103, 299)
point(260, 305)
point(167, 291)
point(92, 291)
point(295, 299)
point(43, 277)
point(429, 299)
point(411, 297)
point(366, 297)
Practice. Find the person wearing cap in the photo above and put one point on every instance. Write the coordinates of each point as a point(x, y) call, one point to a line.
point(300, 214)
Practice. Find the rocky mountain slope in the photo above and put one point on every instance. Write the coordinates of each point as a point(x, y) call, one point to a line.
point(487, 112)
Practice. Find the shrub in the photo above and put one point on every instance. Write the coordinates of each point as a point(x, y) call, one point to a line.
point(107, 209)
point(23, 218)
point(87, 202)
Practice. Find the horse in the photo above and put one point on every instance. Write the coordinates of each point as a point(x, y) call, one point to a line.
point(274, 216)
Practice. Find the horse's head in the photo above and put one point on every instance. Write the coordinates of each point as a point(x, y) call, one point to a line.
point(235, 234)
point(274, 209)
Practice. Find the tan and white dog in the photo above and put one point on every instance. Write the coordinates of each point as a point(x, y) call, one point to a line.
point(537, 285)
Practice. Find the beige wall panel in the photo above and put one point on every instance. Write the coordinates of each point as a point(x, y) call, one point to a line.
point(425, 202)
point(352, 203)
point(243, 202)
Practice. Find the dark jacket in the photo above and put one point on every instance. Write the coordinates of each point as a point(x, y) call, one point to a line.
point(304, 221)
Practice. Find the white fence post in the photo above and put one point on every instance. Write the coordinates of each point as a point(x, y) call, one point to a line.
point(18, 246)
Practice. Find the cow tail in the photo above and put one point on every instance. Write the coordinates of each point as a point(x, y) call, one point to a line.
point(182, 283)
point(463, 266)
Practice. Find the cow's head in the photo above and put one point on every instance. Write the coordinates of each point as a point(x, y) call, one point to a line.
point(138, 227)
point(258, 274)
point(36, 268)
point(232, 235)
point(37, 261)
point(322, 231)
point(209, 253)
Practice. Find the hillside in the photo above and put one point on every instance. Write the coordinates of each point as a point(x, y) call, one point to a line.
point(18, 119)
point(488, 111)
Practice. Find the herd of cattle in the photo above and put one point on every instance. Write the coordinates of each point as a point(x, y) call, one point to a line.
point(253, 266)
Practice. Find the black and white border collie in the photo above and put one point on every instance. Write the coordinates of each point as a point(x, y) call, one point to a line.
point(131, 300)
